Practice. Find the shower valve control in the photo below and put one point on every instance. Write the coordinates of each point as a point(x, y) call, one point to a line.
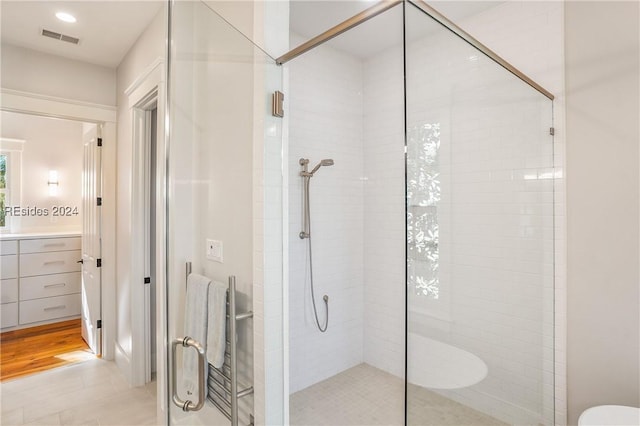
point(214, 250)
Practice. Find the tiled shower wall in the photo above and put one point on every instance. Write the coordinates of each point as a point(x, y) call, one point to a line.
point(384, 219)
point(325, 110)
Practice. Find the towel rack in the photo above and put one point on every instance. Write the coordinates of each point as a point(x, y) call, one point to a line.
point(223, 382)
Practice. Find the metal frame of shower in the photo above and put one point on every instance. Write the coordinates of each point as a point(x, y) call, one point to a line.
point(385, 5)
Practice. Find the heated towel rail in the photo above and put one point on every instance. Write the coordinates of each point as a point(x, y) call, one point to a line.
point(221, 383)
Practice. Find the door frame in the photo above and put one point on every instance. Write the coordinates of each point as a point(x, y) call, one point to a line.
point(48, 106)
point(145, 93)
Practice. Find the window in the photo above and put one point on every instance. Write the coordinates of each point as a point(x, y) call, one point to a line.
point(10, 179)
point(423, 193)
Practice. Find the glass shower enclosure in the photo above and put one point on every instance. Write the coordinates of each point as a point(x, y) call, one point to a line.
point(433, 229)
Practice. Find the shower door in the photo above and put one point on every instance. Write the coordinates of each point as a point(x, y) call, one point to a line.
point(221, 138)
point(480, 236)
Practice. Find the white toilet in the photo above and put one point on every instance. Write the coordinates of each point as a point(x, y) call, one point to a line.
point(610, 415)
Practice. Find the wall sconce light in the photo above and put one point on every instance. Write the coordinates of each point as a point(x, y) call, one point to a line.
point(53, 183)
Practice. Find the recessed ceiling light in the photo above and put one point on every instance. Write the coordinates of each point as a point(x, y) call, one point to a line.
point(66, 17)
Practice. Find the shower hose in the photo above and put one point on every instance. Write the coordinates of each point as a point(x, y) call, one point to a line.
point(313, 296)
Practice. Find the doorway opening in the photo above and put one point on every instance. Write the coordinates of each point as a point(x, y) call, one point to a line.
point(146, 199)
point(50, 235)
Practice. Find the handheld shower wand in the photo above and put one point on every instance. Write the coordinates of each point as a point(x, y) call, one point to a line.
point(304, 162)
point(306, 232)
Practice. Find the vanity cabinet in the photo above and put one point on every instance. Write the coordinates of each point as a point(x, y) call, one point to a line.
point(41, 280)
point(9, 283)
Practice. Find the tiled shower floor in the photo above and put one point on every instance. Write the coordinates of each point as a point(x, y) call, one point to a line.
point(364, 395)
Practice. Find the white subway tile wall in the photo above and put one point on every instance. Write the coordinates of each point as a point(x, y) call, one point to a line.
point(384, 219)
point(325, 110)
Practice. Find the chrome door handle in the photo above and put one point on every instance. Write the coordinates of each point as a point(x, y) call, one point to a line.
point(188, 405)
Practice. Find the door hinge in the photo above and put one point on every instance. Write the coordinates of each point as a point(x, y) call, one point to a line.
point(147, 280)
point(552, 131)
point(99, 325)
point(99, 141)
point(99, 201)
point(99, 263)
point(277, 99)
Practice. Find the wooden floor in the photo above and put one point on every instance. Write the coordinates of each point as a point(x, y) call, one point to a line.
point(35, 349)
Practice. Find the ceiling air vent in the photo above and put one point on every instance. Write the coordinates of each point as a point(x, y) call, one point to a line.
point(58, 36)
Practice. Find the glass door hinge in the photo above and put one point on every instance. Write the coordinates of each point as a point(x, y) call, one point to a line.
point(277, 99)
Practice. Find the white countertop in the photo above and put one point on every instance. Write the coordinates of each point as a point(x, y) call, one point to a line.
point(32, 235)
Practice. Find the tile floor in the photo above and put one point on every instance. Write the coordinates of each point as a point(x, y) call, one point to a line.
point(90, 393)
point(364, 395)
point(95, 393)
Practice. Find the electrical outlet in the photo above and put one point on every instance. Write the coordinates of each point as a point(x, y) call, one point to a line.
point(214, 250)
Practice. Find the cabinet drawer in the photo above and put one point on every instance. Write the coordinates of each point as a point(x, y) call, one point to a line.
point(9, 266)
point(49, 263)
point(50, 244)
point(8, 314)
point(49, 285)
point(9, 291)
point(49, 308)
point(8, 247)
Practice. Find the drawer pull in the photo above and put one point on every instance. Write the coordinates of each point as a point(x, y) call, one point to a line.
point(55, 285)
point(54, 245)
point(53, 308)
point(54, 262)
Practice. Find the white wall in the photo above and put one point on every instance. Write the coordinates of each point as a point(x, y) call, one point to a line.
point(147, 49)
point(326, 122)
point(602, 69)
point(50, 144)
point(36, 72)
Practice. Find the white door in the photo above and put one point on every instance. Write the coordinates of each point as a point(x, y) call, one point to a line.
point(91, 225)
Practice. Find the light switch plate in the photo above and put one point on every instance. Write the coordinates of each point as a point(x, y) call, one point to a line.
point(214, 250)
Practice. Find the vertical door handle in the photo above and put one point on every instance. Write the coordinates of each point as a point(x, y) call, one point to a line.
point(202, 380)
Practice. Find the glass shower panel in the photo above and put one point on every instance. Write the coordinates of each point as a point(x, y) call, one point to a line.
point(224, 146)
point(480, 242)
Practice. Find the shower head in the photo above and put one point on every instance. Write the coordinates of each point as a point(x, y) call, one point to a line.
point(325, 162)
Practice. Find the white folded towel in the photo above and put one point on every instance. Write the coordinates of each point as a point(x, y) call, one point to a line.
point(216, 338)
point(195, 326)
